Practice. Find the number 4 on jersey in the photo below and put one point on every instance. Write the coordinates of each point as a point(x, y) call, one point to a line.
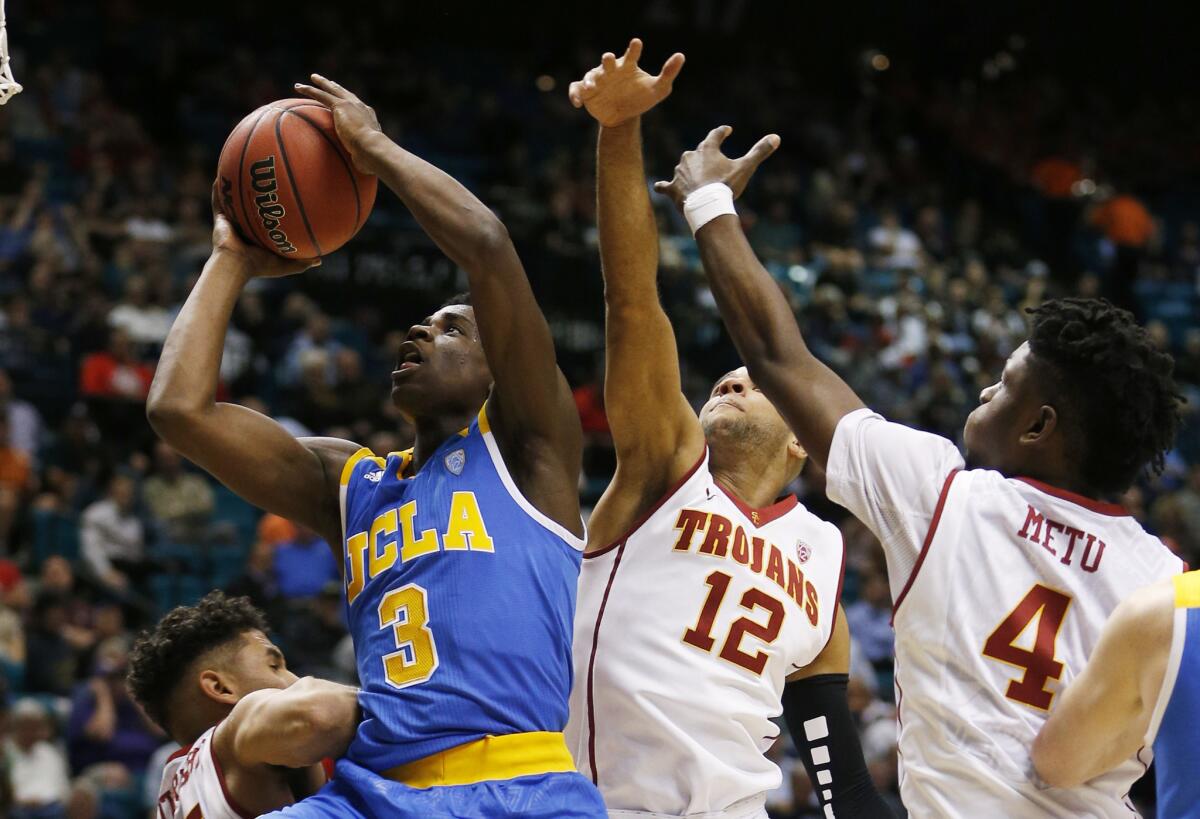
point(1048, 607)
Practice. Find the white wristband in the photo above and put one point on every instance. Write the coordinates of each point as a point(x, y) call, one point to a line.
point(707, 203)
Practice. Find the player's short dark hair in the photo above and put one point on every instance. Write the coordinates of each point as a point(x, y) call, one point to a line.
point(458, 298)
point(1112, 385)
point(161, 657)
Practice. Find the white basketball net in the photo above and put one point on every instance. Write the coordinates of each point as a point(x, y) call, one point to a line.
point(8, 86)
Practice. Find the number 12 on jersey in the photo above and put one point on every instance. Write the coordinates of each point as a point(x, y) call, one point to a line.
point(700, 635)
point(1049, 608)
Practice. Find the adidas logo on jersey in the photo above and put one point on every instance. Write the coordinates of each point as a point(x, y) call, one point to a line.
point(374, 477)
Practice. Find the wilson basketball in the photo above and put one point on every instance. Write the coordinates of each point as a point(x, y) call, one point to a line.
point(288, 185)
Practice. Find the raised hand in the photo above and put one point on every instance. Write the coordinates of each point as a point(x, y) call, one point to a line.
point(251, 259)
point(618, 90)
point(708, 164)
point(355, 121)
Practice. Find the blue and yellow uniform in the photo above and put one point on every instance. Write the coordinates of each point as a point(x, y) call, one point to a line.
point(1177, 718)
point(461, 599)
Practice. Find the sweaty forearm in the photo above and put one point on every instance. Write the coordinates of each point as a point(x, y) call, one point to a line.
point(628, 234)
point(317, 720)
point(463, 227)
point(188, 370)
point(755, 311)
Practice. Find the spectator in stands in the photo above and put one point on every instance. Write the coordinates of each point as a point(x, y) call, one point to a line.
point(317, 335)
point(258, 581)
point(179, 502)
point(51, 660)
point(304, 565)
point(115, 373)
point(894, 246)
point(40, 778)
point(105, 725)
point(870, 617)
point(112, 537)
point(24, 421)
point(16, 485)
point(145, 322)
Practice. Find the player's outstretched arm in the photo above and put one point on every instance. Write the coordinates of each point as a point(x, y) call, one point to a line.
point(537, 420)
point(245, 450)
point(823, 731)
point(655, 432)
point(810, 396)
point(292, 727)
point(1101, 719)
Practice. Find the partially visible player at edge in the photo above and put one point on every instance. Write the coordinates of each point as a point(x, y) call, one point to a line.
point(1003, 567)
point(1140, 689)
point(460, 556)
point(706, 596)
point(253, 735)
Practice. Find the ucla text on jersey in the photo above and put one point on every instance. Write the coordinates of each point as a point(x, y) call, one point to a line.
point(461, 598)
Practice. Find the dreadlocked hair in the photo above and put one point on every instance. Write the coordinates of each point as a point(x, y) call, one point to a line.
point(160, 658)
point(1122, 407)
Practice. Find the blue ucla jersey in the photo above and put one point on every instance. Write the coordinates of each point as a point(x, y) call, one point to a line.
point(1177, 717)
point(461, 600)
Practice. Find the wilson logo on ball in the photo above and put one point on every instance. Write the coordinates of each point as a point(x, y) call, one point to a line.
point(262, 179)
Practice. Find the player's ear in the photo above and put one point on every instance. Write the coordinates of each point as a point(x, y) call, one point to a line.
point(1042, 426)
point(217, 686)
point(795, 450)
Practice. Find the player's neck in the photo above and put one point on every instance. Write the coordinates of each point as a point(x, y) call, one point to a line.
point(1063, 479)
point(432, 432)
point(753, 483)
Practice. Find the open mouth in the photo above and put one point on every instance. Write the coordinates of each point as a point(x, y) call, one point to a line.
point(409, 359)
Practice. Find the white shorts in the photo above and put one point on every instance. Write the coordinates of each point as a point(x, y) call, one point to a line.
point(753, 807)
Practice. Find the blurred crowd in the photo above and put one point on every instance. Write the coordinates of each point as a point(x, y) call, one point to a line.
point(909, 223)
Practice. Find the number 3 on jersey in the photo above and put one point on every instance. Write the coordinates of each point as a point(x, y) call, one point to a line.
point(415, 659)
point(1049, 608)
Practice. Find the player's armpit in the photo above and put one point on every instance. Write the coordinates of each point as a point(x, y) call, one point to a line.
point(826, 738)
point(291, 727)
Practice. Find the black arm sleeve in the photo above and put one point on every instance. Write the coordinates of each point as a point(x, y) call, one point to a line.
point(826, 738)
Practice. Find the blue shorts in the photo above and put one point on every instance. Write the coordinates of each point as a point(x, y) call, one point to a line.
point(356, 793)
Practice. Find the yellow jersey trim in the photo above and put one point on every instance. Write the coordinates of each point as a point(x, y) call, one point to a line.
point(1187, 590)
point(405, 456)
point(484, 426)
point(353, 460)
point(490, 758)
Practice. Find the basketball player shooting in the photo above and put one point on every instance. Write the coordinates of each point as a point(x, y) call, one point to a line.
point(706, 596)
point(1141, 688)
point(1003, 567)
point(253, 735)
point(461, 555)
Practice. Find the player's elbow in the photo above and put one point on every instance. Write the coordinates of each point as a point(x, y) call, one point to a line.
point(169, 416)
point(491, 237)
point(316, 719)
point(1051, 764)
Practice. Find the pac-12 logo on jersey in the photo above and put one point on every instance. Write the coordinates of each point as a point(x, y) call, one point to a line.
point(376, 550)
point(456, 460)
point(723, 538)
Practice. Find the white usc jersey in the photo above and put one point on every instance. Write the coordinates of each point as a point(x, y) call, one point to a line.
point(685, 632)
point(1001, 588)
point(193, 785)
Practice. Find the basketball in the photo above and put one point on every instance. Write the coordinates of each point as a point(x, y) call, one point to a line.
point(288, 185)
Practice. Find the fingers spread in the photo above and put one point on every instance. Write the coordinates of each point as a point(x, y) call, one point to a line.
point(761, 150)
point(670, 69)
point(717, 135)
point(609, 61)
point(634, 52)
point(662, 187)
point(323, 97)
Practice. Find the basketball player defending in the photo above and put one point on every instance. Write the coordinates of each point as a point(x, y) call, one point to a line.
point(705, 598)
point(1140, 688)
point(1004, 567)
point(253, 735)
point(460, 556)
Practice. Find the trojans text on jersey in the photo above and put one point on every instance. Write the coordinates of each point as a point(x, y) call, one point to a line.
point(725, 539)
point(393, 537)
